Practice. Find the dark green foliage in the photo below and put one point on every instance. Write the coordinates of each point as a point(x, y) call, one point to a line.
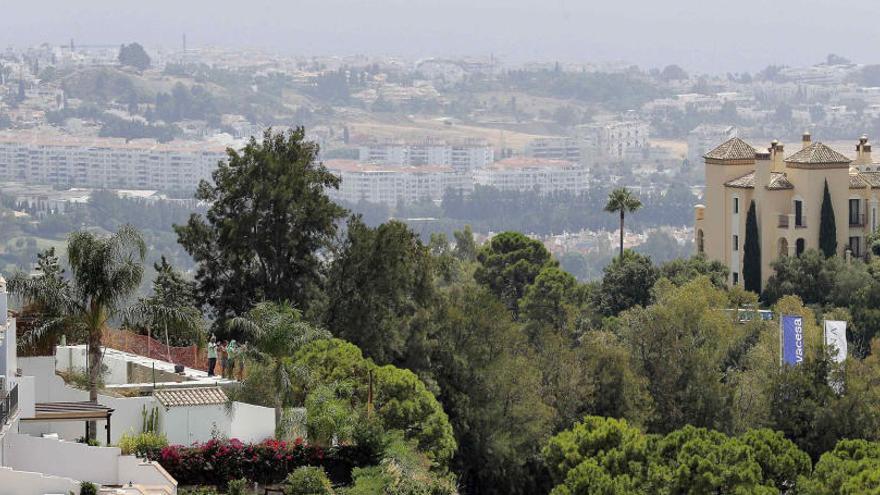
point(677, 344)
point(827, 226)
point(627, 282)
point(509, 263)
point(88, 488)
point(808, 276)
point(269, 219)
point(608, 456)
point(549, 300)
point(380, 279)
point(489, 381)
point(682, 270)
point(133, 55)
point(752, 253)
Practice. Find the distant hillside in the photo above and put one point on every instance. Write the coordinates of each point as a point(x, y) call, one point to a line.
point(107, 84)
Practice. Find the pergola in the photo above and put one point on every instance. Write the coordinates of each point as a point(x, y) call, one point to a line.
point(73, 411)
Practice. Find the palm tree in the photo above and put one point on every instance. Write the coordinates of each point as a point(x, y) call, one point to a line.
point(104, 273)
point(275, 332)
point(622, 200)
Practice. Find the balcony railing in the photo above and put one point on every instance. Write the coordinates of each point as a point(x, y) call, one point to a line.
point(8, 405)
point(857, 220)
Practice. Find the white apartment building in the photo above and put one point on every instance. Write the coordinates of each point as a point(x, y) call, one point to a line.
point(468, 155)
point(526, 174)
point(554, 148)
point(390, 184)
point(612, 140)
point(37, 157)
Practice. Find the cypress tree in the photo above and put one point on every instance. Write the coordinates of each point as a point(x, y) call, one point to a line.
point(827, 226)
point(752, 253)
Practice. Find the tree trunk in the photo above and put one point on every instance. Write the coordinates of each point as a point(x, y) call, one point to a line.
point(168, 344)
point(94, 345)
point(621, 233)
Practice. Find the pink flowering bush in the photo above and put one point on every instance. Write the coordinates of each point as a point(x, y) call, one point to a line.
point(269, 461)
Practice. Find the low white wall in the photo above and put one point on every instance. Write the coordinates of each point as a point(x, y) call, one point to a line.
point(144, 473)
point(58, 458)
point(75, 358)
point(25, 483)
point(252, 423)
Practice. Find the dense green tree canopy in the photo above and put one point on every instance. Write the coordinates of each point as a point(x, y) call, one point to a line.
point(627, 282)
point(608, 456)
point(269, 221)
point(509, 263)
point(379, 280)
point(400, 399)
point(134, 55)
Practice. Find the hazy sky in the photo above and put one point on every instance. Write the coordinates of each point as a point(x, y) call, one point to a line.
point(707, 35)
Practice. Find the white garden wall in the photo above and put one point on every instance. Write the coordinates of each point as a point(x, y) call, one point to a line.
point(26, 483)
point(252, 423)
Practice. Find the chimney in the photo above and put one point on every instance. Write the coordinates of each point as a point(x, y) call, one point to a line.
point(763, 166)
point(777, 156)
point(863, 152)
point(806, 139)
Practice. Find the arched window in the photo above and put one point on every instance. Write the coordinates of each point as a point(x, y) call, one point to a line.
point(799, 247)
point(701, 247)
point(783, 247)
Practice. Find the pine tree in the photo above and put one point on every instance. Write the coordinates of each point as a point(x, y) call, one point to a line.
point(827, 226)
point(752, 255)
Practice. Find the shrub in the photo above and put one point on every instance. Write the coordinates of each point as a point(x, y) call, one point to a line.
point(237, 487)
point(307, 480)
point(270, 461)
point(144, 445)
point(88, 488)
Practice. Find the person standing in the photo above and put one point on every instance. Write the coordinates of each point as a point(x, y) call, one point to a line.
point(212, 355)
point(224, 359)
point(231, 354)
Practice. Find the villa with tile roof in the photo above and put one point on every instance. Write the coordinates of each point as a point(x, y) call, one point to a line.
point(787, 192)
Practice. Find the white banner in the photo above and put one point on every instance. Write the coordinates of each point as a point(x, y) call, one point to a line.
point(835, 339)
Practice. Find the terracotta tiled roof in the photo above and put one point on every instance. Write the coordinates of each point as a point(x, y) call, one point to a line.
point(818, 154)
point(743, 182)
point(732, 149)
point(857, 182)
point(870, 178)
point(777, 181)
point(196, 396)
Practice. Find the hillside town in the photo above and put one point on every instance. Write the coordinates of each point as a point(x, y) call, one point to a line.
point(439, 248)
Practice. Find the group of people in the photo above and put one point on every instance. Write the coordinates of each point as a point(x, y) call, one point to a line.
point(229, 354)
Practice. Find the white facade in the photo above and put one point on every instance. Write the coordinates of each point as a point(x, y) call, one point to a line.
point(524, 174)
point(387, 184)
point(465, 156)
point(554, 148)
point(613, 140)
point(37, 158)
